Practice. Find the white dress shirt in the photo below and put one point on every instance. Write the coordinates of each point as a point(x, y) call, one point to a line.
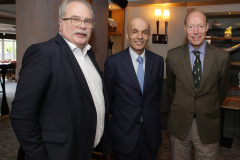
point(95, 85)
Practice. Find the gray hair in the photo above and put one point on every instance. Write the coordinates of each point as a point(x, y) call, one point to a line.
point(62, 8)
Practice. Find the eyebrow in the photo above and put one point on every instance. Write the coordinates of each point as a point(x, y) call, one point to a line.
point(79, 17)
point(135, 29)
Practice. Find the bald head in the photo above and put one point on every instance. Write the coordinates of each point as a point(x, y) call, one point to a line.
point(194, 13)
point(138, 20)
point(138, 33)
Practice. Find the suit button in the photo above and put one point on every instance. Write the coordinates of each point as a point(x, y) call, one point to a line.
point(191, 112)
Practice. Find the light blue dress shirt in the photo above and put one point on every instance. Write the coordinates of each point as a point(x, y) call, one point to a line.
point(134, 57)
point(193, 57)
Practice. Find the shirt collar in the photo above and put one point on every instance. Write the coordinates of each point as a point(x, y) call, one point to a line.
point(134, 55)
point(74, 47)
point(201, 49)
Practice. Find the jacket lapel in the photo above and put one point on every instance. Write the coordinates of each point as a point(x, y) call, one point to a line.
point(208, 61)
point(148, 68)
point(185, 57)
point(70, 58)
point(128, 65)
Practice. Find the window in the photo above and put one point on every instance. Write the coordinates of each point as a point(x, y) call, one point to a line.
point(7, 50)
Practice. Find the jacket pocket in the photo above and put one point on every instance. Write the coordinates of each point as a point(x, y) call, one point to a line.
point(214, 113)
point(56, 137)
point(174, 108)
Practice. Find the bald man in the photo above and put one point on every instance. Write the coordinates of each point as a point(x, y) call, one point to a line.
point(134, 79)
point(197, 75)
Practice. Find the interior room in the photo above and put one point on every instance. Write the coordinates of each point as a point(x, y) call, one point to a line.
point(24, 22)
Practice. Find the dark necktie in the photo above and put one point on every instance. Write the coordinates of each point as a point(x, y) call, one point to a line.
point(140, 72)
point(197, 69)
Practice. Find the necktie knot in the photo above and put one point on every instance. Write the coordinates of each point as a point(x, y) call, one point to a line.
point(140, 60)
point(196, 53)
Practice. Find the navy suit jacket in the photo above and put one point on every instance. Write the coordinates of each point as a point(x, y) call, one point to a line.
point(53, 113)
point(128, 104)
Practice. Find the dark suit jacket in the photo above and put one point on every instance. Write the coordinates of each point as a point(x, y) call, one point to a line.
point(127, 103)
point(206, 101)
point(53, 113)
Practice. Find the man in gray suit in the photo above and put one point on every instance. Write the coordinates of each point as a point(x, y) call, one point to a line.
point(197, 75)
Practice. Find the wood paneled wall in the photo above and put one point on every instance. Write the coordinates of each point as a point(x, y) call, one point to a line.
point(37, 21)
point(99, 40)
point(119, 17)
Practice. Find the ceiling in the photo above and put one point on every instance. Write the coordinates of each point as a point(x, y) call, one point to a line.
point(7, 17)
point(171, 3)
point(8, 9)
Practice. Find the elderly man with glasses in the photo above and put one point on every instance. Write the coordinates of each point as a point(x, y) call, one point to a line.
point(60, 111)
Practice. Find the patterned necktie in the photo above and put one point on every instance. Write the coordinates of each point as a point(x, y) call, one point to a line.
point(140, 72)
point(197, 69)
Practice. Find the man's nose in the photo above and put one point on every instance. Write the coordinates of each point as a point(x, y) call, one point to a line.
point(82, 25)
point(139, 35)
point(195, 30)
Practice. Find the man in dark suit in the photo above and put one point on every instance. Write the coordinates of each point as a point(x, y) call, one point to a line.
point(197, 75)
point(60, 111)
point(134, 89)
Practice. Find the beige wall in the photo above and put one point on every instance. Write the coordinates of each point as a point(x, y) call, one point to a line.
point(176, 34)
point(217, 8)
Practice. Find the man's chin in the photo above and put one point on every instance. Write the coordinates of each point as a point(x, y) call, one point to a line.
point(196, 43)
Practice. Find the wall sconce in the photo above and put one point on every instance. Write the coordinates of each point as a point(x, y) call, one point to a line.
point(161, 38)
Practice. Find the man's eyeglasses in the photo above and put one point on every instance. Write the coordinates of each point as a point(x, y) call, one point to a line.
point(76, 21)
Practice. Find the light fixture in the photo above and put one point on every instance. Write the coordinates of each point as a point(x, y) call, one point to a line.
point(161, 38)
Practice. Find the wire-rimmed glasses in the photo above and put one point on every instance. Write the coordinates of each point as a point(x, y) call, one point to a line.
point(77, 21)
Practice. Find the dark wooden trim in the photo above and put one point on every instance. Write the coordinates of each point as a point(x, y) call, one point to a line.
point(7, 36)
point(7, 1)
point(99, 40)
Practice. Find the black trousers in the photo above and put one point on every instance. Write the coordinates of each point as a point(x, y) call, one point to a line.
point(142, 151)
point(21, 154)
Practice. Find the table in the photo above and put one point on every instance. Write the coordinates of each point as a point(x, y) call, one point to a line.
point(4, 67)
point(231, 102)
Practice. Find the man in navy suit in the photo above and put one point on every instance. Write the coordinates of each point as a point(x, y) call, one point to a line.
point(60, 111)
point(134, 104)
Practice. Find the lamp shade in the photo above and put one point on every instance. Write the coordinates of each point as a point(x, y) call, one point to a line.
point(166, 15)
point(158, 14)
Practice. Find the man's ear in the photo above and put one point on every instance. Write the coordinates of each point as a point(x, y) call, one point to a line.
point(60, 24)
point(207, 27)
point(185, 29)
point(127, 36)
